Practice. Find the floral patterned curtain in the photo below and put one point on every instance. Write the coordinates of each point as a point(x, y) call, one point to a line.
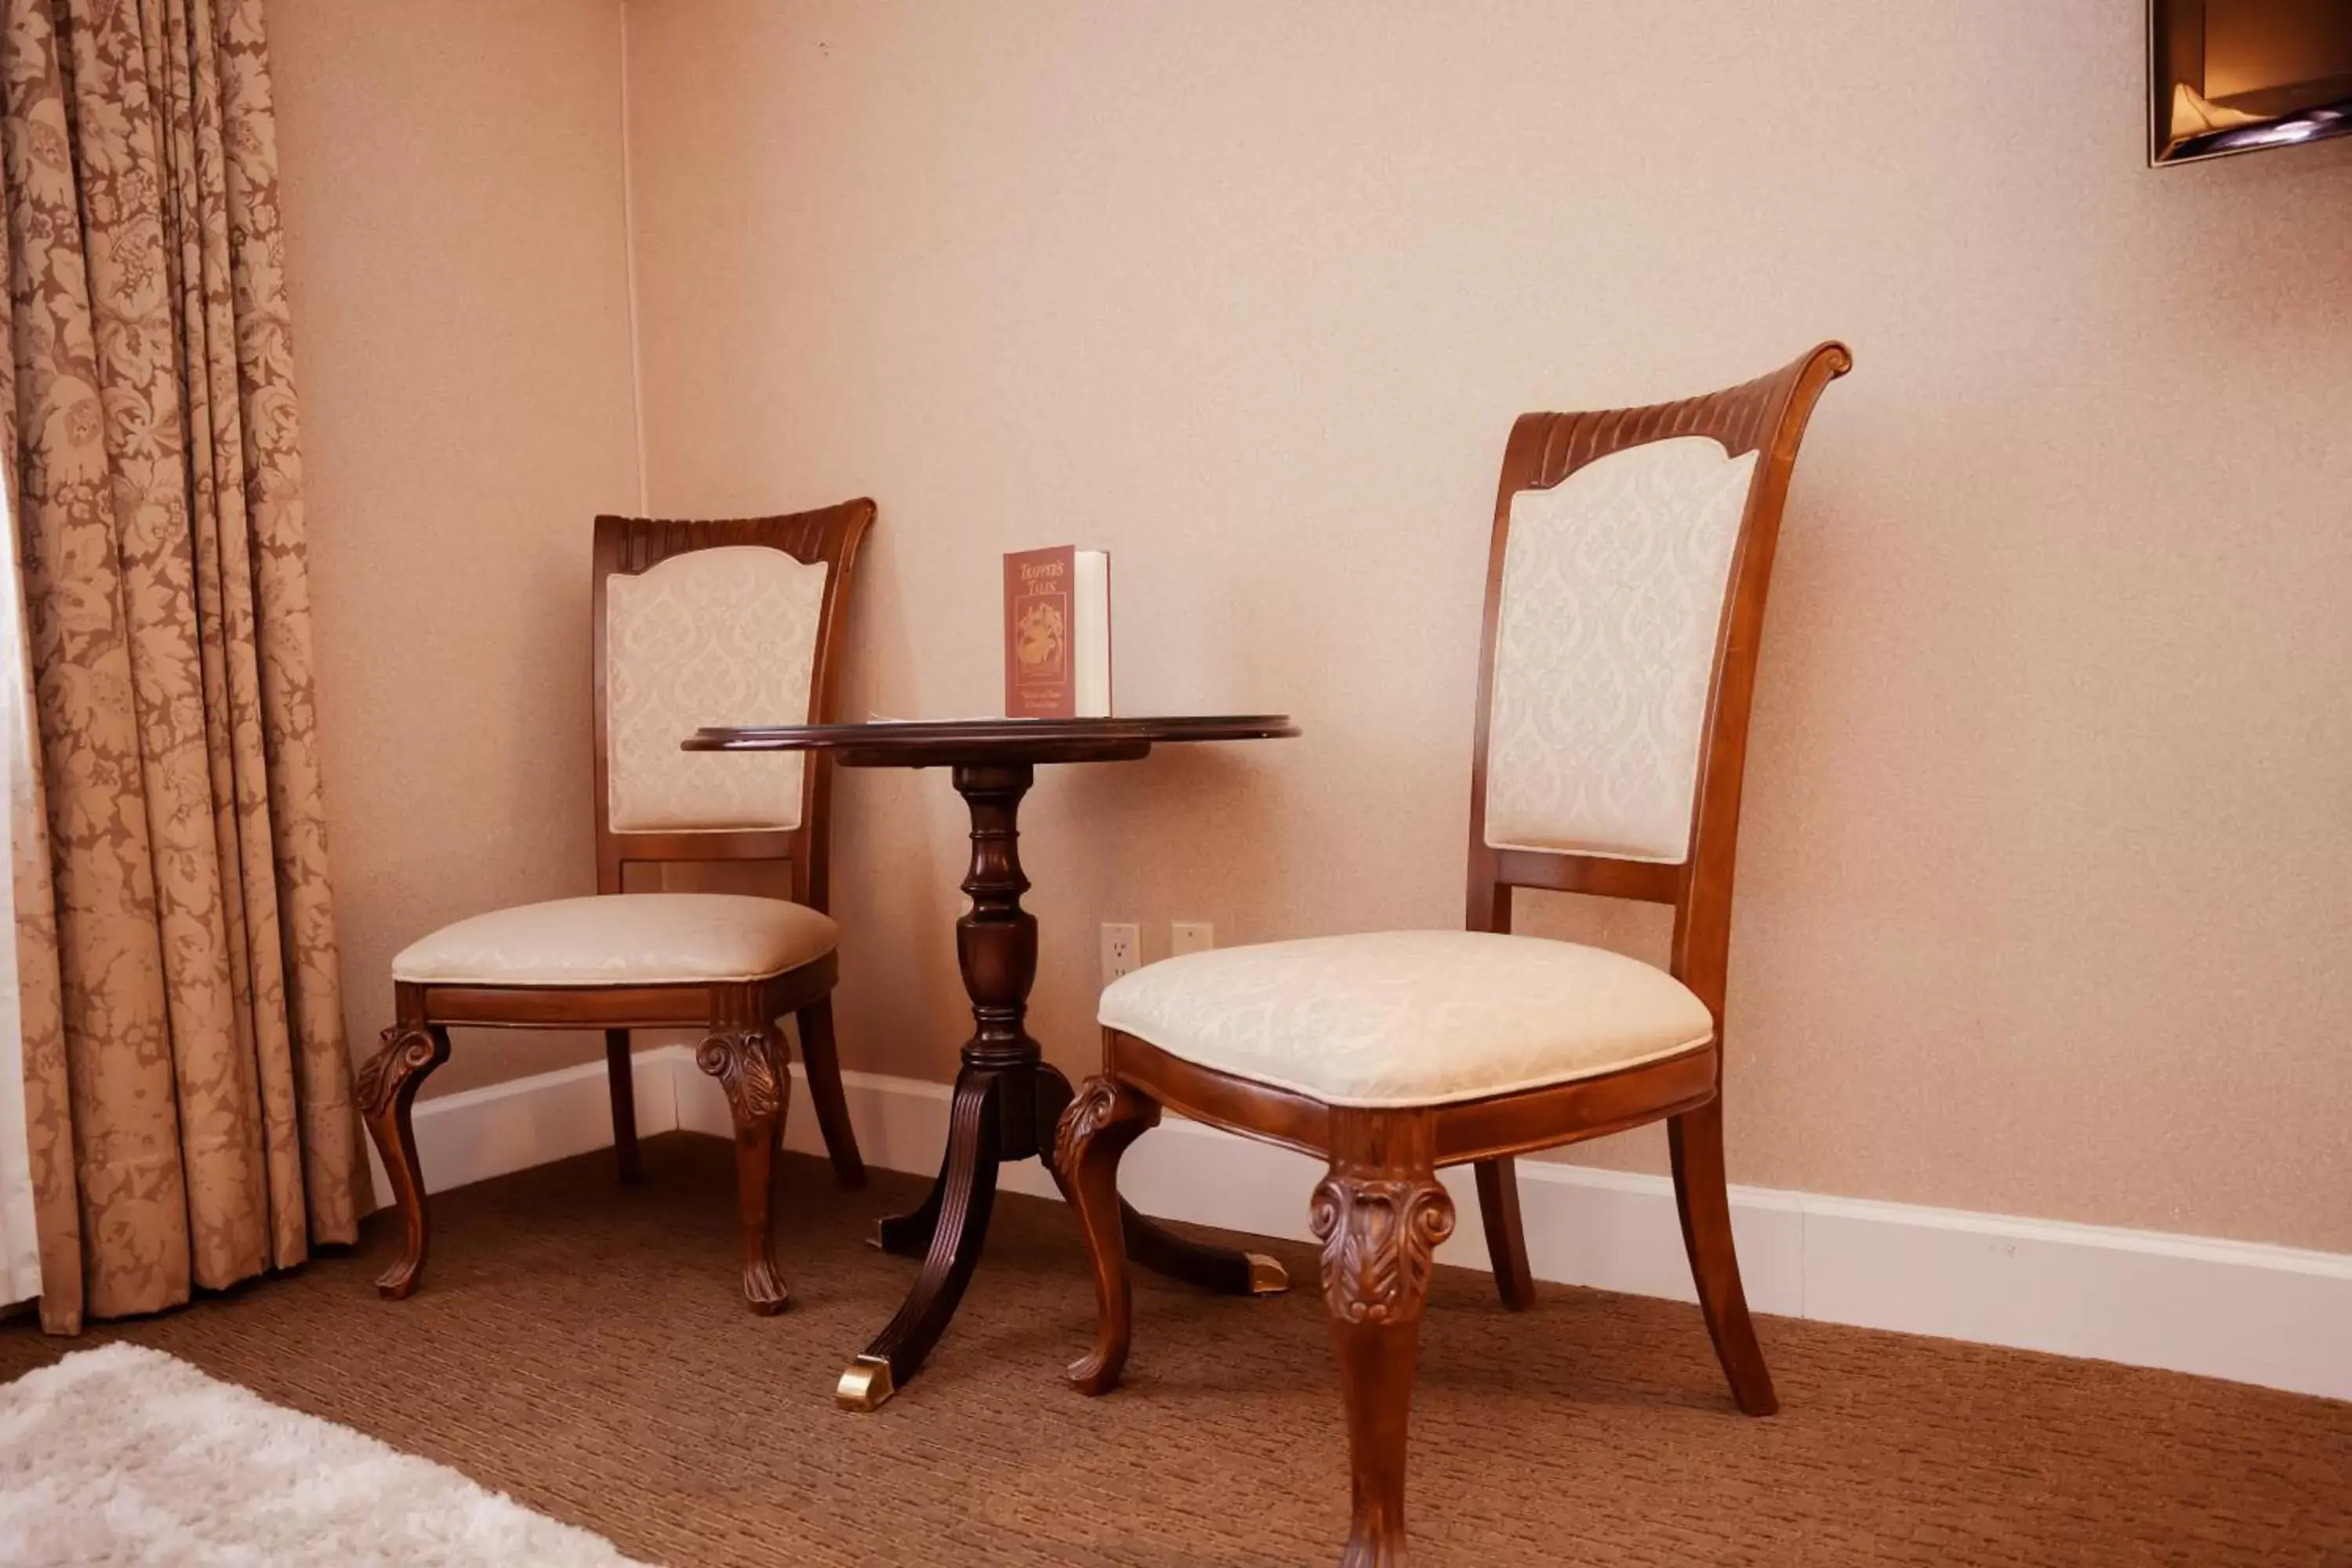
point(187, 1087)
point(20, 1252)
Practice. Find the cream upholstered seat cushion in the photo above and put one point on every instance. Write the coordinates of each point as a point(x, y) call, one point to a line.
point(1392, 1019)
point(622, 939)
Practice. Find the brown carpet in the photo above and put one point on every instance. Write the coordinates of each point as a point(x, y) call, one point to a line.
point(581, 1347)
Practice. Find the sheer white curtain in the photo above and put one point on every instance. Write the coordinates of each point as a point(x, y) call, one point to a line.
point(20, 1264)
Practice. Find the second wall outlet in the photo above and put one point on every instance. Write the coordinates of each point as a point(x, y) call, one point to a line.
point(1191, 936)
point(1122, 950)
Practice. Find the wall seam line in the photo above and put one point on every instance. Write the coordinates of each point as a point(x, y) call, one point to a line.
point(629, 267)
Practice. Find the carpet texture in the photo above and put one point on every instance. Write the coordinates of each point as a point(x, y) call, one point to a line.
point(581, 1347)
point(123, 1455)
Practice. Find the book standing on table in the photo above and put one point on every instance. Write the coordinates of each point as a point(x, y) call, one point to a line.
point(1057, 633)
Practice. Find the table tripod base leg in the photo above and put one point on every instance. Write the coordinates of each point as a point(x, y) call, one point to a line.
point(1152, 1246)
point(967, 1192)
point(909, 1235)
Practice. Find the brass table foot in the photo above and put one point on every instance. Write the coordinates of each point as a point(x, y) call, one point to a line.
point(865, 1385)
point(1266, 1277)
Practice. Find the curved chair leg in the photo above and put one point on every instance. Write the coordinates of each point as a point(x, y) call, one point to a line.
point(620, 1076)
point(1104, 1118)
point(1507, 1243)
point(821, 1062)
point(1695, 1140)
point(1379, 1229)
point(1153, 1246)
point(387, 1089)
point(749, 1065)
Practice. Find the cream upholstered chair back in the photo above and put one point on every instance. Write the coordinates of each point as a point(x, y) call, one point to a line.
point(1625, 592)
point(722, 636)
point(716, 623)
point(1613, 590)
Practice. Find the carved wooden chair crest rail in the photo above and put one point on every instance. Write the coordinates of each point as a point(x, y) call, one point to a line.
point(695, 623)
point(1625, 592)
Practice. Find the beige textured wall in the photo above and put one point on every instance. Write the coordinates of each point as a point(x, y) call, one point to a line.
point(457, 251)
point(2043, 902)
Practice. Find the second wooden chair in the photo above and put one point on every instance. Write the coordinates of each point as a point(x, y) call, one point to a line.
point(695, 623)
point(1624, 595)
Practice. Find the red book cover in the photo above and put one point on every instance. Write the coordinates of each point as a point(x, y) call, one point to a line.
point(1057, 633)
point(1037, 665)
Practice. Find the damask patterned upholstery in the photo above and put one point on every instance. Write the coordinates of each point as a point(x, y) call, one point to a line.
point(1395, 1019)
point(622, 939)
point(722, 636)
point(1613, 584)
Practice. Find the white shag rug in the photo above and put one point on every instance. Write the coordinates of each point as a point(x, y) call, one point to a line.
point(124, 1455)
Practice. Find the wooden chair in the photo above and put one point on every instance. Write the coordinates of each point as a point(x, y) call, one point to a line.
point(1624, 595)
point(695, 623)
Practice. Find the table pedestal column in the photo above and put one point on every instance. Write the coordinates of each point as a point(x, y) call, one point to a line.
point(1007, 1101)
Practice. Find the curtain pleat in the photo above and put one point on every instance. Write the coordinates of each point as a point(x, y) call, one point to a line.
point(207, 1101)
point(56, 1211)
point(20, 1254)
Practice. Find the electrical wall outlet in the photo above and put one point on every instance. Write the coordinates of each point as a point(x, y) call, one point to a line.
point(1191, 936)
point(1122, 950)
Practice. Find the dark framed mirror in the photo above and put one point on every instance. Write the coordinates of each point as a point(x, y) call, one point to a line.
point(2235, 76)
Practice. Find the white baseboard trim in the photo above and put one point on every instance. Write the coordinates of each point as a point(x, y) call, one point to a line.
point(477, 1133)
point(2253, 1313)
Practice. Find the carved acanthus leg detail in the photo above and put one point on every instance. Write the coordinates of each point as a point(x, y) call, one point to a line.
point(1101, 1121)
point(744, 1063)
point(750, 1065)
point(1100, 1101)
point(387, 1092)
point(1379, 1232)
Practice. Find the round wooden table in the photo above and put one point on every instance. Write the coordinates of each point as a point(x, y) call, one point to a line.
point(1008, 1098)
